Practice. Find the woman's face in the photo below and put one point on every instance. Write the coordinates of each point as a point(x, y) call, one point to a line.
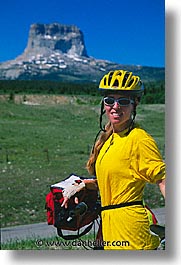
point(118, 115)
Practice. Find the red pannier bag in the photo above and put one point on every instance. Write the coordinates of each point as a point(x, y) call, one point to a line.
point(76, 216)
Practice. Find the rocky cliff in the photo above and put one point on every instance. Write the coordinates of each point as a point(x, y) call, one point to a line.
point(55, 37)
point(58, 52)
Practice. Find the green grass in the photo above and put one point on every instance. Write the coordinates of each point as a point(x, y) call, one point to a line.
point(42, 144)
point(55, 243)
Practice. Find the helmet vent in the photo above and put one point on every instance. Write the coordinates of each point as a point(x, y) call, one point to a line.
point(110, 77)
point(105, 81)
point(131, 82)
point(125, 78)
point(120, 74)
point(116, 83)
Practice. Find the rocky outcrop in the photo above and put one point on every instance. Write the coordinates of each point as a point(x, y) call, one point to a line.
point(56, 37)
point(58, 52)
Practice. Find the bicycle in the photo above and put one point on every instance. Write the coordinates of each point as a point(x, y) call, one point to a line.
point(160, 231)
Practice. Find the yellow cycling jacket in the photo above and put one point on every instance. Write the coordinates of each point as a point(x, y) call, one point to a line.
point(124, 165)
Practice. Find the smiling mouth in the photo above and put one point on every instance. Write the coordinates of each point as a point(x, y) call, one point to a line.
point(116, 115)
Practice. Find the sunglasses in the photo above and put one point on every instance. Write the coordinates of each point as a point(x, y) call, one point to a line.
point(110, 101)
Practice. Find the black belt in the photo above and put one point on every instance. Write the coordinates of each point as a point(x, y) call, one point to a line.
point(120, 205)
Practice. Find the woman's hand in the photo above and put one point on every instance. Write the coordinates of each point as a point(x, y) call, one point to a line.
point(90, 184)
point(66, 200)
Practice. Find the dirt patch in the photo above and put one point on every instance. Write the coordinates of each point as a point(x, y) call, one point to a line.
point(39, 99)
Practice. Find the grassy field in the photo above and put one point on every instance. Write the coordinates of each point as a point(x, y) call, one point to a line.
point(86, 242)
point(48, 138)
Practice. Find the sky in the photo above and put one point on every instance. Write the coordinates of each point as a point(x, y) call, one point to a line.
point(125, 32)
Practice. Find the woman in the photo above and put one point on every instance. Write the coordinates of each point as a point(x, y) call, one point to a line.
point(123, 159)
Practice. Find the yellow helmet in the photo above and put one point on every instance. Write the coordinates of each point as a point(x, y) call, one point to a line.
point(121, 81)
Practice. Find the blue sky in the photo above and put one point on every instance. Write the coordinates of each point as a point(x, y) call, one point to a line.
point(126, 32)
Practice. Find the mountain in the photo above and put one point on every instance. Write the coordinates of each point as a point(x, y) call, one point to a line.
point(58, 52)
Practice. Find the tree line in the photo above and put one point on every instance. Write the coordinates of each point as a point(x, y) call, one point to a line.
point(154, 91)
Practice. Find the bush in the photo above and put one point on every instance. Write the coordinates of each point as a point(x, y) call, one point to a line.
point(154, 91)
